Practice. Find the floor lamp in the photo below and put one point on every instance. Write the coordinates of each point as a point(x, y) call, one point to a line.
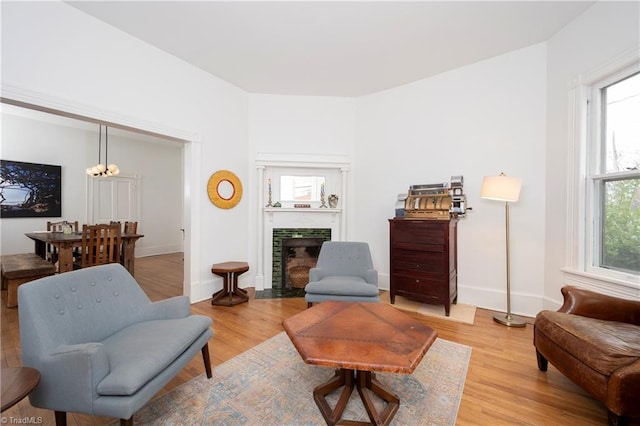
point(507, 189)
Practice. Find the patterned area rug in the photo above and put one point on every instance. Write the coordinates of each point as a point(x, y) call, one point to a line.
point(271, 385)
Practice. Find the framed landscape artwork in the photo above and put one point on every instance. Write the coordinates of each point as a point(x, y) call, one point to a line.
point(30, 190)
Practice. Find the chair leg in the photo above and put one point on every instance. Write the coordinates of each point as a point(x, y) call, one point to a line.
point(616, 420)
point(543, 364)
point(61, 418)
point(126, 422)
point(207, 360)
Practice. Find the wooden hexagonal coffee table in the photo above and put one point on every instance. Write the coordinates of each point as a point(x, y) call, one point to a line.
point(358, 339)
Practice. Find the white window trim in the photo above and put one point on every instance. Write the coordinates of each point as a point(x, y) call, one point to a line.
point(578, 269)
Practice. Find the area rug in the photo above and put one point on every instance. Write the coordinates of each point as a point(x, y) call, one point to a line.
point(271, 385)
point(459, 312)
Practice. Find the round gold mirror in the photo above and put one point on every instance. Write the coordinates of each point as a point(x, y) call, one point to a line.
point(224, 189)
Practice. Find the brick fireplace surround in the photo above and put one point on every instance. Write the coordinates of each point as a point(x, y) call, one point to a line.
point(295, 248)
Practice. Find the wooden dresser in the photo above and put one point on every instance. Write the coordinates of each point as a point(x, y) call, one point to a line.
point(424, 260)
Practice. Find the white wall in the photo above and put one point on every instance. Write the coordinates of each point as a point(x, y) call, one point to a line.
point(301, 124)
point(35, 137)
point(313, 126)
point(479, 120)
point(54, 54)
point(594, 38)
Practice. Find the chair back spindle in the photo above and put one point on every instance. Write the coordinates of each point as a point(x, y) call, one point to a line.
point(100, 245)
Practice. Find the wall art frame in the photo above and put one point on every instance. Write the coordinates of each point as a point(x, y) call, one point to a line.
point(30, 190)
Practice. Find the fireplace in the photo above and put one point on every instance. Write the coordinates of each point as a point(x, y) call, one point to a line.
point(270, 168)
point(295, 251)
point(298, 256)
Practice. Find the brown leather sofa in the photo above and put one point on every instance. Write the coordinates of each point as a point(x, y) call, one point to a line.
point(594, 340)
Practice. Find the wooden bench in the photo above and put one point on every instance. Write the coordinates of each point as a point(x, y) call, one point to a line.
point(21, 268)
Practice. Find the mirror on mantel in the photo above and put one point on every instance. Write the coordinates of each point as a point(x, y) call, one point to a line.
point(301, 189)
point(290, 187)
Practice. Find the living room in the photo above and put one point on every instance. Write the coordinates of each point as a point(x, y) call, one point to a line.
point(507, 113)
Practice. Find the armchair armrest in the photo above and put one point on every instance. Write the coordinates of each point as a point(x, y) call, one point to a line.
point(624, 386)
point(316, 274)
point(175, 307)
point(371, 276)
point(70, 375)
point(587, 303)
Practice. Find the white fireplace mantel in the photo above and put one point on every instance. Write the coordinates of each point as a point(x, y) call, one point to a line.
point(284, 217)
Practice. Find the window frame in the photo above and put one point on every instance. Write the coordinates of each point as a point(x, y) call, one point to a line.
point(584, 155)
point(597, 177)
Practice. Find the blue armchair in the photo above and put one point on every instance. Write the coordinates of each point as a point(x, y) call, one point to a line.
point(102, 348)
point(344, 271)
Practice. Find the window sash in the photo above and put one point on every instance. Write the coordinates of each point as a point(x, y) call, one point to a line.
point(579, 181)
point(597, 178)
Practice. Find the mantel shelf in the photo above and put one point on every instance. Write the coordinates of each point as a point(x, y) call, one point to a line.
point(301, 210)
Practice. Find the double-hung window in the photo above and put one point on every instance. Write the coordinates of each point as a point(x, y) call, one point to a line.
point(612, 179)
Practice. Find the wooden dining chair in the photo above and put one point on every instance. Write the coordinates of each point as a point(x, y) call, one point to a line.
point(52, 251)
point(127, 228)
point(130, 227)
point(101, 244)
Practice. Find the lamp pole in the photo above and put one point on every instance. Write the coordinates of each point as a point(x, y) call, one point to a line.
point(508, 319)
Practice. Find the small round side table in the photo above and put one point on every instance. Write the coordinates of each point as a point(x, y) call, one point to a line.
point(17, 382)
point(230, 294)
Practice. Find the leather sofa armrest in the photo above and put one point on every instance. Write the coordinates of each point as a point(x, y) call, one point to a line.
point(587, 303)
point(624, 388)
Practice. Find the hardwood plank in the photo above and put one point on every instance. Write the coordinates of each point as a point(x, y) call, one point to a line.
point(503, 386)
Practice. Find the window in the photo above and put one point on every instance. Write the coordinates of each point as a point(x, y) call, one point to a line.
point(301, 188)
point(613, 176)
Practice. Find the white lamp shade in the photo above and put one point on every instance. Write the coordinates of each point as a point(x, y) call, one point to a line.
point(501, 188)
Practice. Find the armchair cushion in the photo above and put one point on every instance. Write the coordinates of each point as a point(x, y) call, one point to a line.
point(137, 353)
point(343, 285)
point(603, 345)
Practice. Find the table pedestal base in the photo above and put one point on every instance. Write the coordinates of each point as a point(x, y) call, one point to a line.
point(229, 297)
point(364, 381)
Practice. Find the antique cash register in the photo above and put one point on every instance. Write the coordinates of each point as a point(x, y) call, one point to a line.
point(433, 201)
point(423, 243)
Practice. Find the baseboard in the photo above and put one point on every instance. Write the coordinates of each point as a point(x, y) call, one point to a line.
point(158, 250)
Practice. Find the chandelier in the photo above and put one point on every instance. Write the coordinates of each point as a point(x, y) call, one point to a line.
point(103, 169)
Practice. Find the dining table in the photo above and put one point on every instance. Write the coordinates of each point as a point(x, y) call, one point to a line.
point(65, 243)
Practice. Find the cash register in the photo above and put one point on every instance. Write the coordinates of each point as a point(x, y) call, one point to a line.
point(438, 201)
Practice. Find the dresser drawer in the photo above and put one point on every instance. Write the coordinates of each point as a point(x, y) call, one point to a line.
point(436, 288)
point(418, 231)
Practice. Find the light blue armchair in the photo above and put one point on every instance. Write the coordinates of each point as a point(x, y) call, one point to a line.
point(344, 272)
point(102, 348)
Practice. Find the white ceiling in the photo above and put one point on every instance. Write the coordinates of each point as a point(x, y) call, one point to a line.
point(334, 48)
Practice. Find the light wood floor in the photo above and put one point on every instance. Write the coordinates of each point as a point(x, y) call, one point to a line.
point(503, 385)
